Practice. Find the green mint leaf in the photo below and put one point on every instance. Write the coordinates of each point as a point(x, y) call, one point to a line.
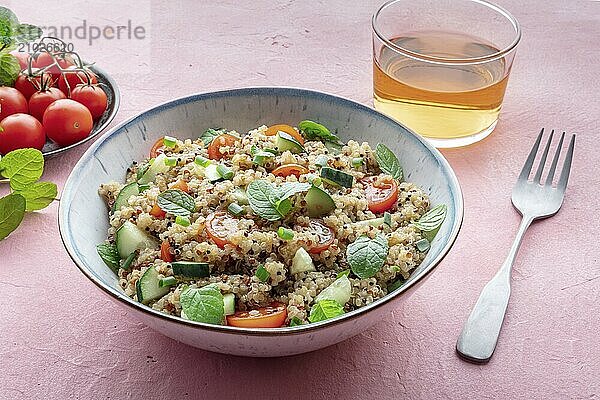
point(203, 304)
point(12, 210)
point(8, 24)
point(314, 131)
point(9, 69)
point(288, 189)
point(388, 162)
point(210, 134)
point(109, 254)
point(325, 309)
point(22, 167)
point(295, 321)
point(176, 202)
point(431, 221)
point(262, 198)
point(38, 195)
point(25, 33)
point(366, 256)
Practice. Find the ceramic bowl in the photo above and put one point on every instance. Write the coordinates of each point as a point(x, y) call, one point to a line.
point(83, 225)
point(111, 89)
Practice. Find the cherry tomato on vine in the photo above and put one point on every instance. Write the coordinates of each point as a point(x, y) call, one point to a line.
point(74, 78)
point(11, 102)
point(39, 101)
point(91, 96)
point(20, 131)
point(67, 121)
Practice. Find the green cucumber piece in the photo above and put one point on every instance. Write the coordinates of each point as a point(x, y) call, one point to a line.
point(374, 222)
point(340, 291)
point(229, 303)
point(148, 286)
point(318, 202)
point(157, 167)
point(130, 238)
point(212, 174)
point(286, 142)
point(132, 189)
point(190, 269)
point(336, 176)
point(302, 262)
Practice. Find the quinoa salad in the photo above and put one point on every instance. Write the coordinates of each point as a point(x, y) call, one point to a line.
point(281, 226)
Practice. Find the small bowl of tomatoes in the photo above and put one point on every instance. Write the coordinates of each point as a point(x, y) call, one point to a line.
point(56, 103)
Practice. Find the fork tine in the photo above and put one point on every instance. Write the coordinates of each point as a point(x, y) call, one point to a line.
point(529, 163)
point(538, 175)
point(555, 160)
point(564, 175)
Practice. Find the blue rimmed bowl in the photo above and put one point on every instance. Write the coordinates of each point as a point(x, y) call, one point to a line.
point(244, 109)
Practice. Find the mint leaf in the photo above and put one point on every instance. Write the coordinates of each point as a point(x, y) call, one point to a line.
point(272, 202)
point(314, 131)
point(25, 33)
point(388, 162)
point(12, 210)
point(109, 254)
point(431, 221)
point(22, 167)
point(8, 24)
point(9, 69)
point(203, 304)
point(176, 202)
point(38, 195)
point(288, 189)
point(325, 309)
point(210, 134)
point(366, 256)
point(295, 321)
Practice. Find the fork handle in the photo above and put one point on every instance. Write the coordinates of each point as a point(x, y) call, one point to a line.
point(479, 335)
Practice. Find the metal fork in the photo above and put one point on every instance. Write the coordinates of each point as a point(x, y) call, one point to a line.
point(534, 200)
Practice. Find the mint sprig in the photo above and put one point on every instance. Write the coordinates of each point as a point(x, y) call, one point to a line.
point(203, 304)
point(366, 256)
point(176, 202)
point(23, 168)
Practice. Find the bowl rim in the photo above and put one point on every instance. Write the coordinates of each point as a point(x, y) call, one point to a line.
point(100, 128)
point(283, 331)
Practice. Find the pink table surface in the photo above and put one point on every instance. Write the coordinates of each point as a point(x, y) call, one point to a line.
point(61, 338)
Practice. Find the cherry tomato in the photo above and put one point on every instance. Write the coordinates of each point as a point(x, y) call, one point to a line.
point(165, 252)
point(74, 78)
point(39, 101)
point(324, 233)
point(30, 84)
point(290, 169)
point(20, 131)
point(22, 57)
point(272, 316)
point(181, 185)
point(91, 96)
point(67, 121)
point(272, 131)
point(11, 102)
point(43, 60)
point(157, 148)
point(224, 140)
point(219, 226)
point(381, 196)
point(157, 212)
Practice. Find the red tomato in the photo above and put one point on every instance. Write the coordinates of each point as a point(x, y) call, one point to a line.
point(324, 233)
point(181, 185)
point(39, 102)
point(30, 84)
point(290, 169)
point(43, 60)
point(74, 78)
point(165, 252)
point(22, 57)
point(157, 148)
point(67, 121)
point(272, 131)
point(224, 140)
point(11, 102)
point(157, 212)
point(219, 226)
point(91, 96)
point(272, 316)
point(381, 197)
point(20, 131)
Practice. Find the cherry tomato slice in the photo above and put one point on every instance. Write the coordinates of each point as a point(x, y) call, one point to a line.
point(157, 212)
point(181, 185)
point(381, 196)
point(272, 131)
point(272, 316)
point(323, 232)
point(165, 252)
point(224, 140)
point(157, 148)
point(290, 169)
point(219, 226)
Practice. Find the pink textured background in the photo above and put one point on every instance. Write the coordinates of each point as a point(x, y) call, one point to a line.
point(60, 337)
